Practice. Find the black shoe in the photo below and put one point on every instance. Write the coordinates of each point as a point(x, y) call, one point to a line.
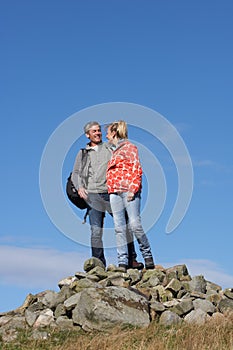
point(149, 264)
point(136, 265)
point(123, 267)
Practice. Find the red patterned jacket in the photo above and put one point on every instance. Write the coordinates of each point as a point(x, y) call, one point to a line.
point(124, 171)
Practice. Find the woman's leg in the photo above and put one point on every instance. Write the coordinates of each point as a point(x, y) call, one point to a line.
point(133, 211)
point(118, 212)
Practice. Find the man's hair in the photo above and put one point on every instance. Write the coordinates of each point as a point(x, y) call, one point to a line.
point(89, 125)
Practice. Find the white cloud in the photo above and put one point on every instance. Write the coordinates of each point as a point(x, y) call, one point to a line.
point(43, 268)
point(207, 163)
point(209, 269)
point(204, 163)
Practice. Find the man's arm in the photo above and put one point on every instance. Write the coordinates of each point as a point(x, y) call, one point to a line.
point(76, 176)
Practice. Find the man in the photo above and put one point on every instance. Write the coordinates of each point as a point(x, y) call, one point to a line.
point(89, 178)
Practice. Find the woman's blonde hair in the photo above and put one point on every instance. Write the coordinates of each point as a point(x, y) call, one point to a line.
point(120, 128)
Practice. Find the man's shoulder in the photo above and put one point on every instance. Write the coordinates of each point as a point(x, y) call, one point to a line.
point(105, 146)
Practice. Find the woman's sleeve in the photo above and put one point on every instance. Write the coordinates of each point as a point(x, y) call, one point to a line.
point(136, 171)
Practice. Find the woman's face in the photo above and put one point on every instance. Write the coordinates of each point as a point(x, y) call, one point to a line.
point(111, 135)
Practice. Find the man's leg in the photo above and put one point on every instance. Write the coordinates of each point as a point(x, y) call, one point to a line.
point(96, 219)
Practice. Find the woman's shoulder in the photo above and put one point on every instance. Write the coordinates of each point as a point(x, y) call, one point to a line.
point(130, 145)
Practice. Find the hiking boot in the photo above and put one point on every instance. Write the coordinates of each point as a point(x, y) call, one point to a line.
point(136, 265)
point(123, 267)
point(149, 263)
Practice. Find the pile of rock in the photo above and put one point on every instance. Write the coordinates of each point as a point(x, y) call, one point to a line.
point(101, 298)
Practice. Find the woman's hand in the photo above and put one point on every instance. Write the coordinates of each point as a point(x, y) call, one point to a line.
point(130, 196)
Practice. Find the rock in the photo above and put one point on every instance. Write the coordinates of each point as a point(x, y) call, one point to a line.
point(153, 275)
point(135, 276)
point(45, 319)
point(157, 306)
point(50, 300)
point(174, 286)
point(117, 281)
point(99, 299)
point(198, 284)
point(171, 303)
point(64, 294)
point(153, 281)
point(225, 305)
point(37, 306)
point(91, 263)
point(9, 335)
point(64, 322)
point(183, 307)
point(4, 320)
point(198, 295)
point(80, 275)
point(197, 317)
point(71, 302)
point(103, 308)
point(204, 305)
point(214, 298)
point(30, 298)
point(9, 329)
point(178, 271)
point(111, 268)
point(99, 272)
point(169, 318)
point(84, 283)
point(182, 292)
point(17, 322)
point(94, 278)
point(170, 274)
point(146, 292)
point(228, 293)
point(164, 295)
point(60, 311)
point(210, 286)
point(39, 335)
point(186, 286)
point(66, 281)
point(31, 317)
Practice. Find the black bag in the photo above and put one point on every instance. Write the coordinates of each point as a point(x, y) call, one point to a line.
point(71, 191)
point(73, 195)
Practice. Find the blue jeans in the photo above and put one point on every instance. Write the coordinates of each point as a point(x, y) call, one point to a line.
point(120, 205)
point(99, 203)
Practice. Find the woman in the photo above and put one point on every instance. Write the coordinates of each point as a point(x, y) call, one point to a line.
point(124, 181)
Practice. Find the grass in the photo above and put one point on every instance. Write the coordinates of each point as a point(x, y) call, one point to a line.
point(214, 335)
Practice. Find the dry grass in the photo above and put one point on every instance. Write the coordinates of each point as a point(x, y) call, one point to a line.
point(215, 335)
point(212, 336)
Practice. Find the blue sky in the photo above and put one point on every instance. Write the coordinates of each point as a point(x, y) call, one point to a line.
point(60, 57)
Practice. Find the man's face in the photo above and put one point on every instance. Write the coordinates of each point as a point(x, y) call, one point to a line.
point(95, 135)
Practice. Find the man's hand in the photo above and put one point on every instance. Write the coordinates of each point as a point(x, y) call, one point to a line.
point(82, 192)
point(130, 196)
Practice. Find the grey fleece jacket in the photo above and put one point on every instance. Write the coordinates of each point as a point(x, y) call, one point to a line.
point(90, 172)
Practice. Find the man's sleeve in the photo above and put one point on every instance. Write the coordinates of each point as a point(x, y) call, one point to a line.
point(76, 173)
